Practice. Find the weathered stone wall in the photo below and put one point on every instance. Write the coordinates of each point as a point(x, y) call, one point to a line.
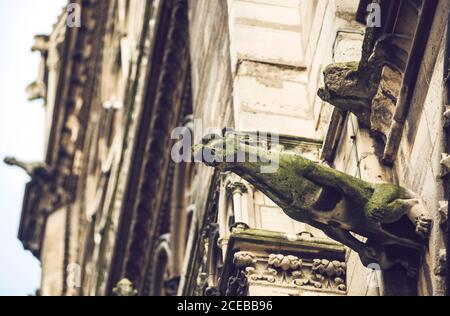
point(52, 259)
point(418, 162)
point(268, 66)
point(211, 79)
point(258, 65)
point(417, 165)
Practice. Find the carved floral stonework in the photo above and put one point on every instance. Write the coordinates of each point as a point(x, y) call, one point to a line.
point(290, 271)
point(244, 259)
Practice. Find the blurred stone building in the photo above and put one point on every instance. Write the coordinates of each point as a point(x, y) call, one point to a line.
point(109, 212)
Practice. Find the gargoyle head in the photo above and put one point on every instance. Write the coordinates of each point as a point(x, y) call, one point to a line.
point(233, 149)
point(37, 171)
point(215, 150)
point(340, 81)
point(10, 161)
point(349, 88)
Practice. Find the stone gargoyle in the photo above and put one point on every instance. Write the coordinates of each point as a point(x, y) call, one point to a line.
point(37, 171)
point(351, 88)
point(392, 219)
point(367, 88)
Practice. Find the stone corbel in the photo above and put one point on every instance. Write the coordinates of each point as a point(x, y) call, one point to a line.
point(244, 259)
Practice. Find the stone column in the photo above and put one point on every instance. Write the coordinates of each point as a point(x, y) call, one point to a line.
point(237, 191)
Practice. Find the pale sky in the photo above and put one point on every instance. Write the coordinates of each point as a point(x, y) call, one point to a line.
point(21, 131)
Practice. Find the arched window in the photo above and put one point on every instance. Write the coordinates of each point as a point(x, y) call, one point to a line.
point(161, 267)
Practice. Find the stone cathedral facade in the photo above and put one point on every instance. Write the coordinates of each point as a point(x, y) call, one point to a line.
point(358, 89)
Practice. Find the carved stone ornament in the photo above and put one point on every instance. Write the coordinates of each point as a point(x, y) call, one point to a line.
point(244, 259)
point(389, 216)
point(236, 187)
point(285, 262)
point(125, 288)
point(332, 273)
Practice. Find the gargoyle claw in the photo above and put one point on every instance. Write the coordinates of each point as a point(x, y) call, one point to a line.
point(423, 226)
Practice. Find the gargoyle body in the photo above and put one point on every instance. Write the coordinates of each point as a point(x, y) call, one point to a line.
point(392, 218)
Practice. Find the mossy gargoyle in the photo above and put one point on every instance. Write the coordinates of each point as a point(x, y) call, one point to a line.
point(393, 220)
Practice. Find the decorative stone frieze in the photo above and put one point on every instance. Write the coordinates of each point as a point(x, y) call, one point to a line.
point(291, 271)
